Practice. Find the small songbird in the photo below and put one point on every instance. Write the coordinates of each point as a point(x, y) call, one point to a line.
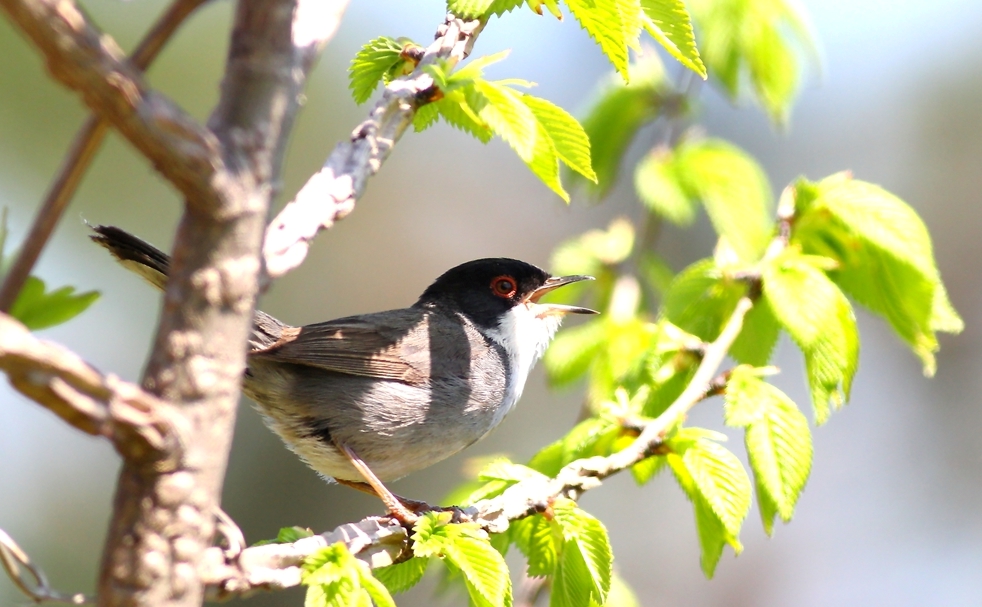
point(373, 397)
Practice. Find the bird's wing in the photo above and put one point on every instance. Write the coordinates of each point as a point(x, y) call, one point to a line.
point(392, 345)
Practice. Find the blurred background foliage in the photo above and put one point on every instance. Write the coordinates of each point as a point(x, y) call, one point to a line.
point(890, 514)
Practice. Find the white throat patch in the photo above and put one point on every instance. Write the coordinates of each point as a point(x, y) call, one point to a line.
point(525, 337)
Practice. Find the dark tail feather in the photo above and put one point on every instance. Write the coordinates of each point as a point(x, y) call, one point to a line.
point(134, 254)
point(152, 264)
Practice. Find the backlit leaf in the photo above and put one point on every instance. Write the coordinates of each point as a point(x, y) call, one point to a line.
point(668, 22)
point(370, 65)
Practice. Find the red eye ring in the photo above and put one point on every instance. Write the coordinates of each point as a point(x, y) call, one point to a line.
point(503, 286)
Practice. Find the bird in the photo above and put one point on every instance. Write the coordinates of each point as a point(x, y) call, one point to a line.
point(371, 398)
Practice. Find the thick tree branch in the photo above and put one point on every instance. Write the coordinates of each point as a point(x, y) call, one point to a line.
point(330, 194)
point(381, 542)
point(142, 427)
point(80, 156)
point(86, 60)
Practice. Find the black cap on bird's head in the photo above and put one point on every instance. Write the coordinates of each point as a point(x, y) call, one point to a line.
point(484, 289)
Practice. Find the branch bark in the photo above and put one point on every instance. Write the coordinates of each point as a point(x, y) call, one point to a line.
point(80, 156)
point(331, 193)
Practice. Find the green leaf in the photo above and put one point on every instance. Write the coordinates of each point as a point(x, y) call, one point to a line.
point(620, 594)
point(817, 316)
point(567, 135)
point(712, 534)
point(503, 470)
point(577, 444)
point(402, 576)
point(586, 565)
point(609, 23)
point(720, 479)
point(425, 117)
point(456, 110)
point(884, 254)
point(484, 569)
point(545, 163)
point(778, 441)
point(508, 118)
point(659, 189)
point(647, 469)
point(38, 309)
point(572, 352)
point(734, 190)
point(469, 8)
point(668, 22)
point(618, 113)
point(376, 590)
point(334, 578)
point(754, 37)
point(370, 65)
point(467, 547)
point(701, 299)
point(758, 337)
point(536, 538)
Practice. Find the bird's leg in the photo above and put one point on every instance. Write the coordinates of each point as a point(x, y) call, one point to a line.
point(416, 506)
point(395, 507)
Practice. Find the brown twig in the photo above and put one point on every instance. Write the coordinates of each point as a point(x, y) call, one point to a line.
point(32, 581)
point(80, 156)
point(331, 193)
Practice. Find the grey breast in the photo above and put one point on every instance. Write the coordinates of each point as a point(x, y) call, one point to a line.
point(404, 389)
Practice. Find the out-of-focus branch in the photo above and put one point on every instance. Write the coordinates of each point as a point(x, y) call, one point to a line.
point(80, 156)
point(330, 194)
point(31, 581)
point(141, 426)
point(86, 60)
point(381, 542)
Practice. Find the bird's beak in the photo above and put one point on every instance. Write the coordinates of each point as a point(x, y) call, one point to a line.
point(554, 283)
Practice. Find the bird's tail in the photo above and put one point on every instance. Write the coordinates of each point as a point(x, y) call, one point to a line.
point(152, 265)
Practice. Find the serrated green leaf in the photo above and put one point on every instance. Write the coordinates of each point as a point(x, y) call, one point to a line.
point(734, 190)
point(659, 189)
point(430, 534)
point(710, 529)
point(508, 118)
point(425, 117)
point(500, 7)
point(469, 8)
point(647, 469)
point(778, 441)
point(484, 570)
point(586, 555)
point(817, 316)
point(620, 110)
point(456, 110)
point(668, 22)
point(603, 20)
point(719, 477)
point(567, 135)
point(374, 589)
point(38, 309)
point(334, 578)
point(575, 445)
point(884, 254)
point(474, 69)
point(545, 163)
point(536, 538)
point(370, 65)
point(402, 576)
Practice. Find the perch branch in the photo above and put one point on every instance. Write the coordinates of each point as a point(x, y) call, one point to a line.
point(330, 194)
point(80, 156)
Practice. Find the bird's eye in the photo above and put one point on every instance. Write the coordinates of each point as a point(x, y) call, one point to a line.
point(503, 286)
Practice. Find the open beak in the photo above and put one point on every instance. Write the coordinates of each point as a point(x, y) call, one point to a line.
point(554, 283)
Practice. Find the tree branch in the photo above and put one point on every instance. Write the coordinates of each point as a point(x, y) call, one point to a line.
point(88, 61)
point(141, 426)
point(382, 541)
point(80, 156)
point(330, 194)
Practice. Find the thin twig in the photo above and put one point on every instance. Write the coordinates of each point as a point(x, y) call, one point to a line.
point(331, 193)
point(79, 158)
point(32, 582)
